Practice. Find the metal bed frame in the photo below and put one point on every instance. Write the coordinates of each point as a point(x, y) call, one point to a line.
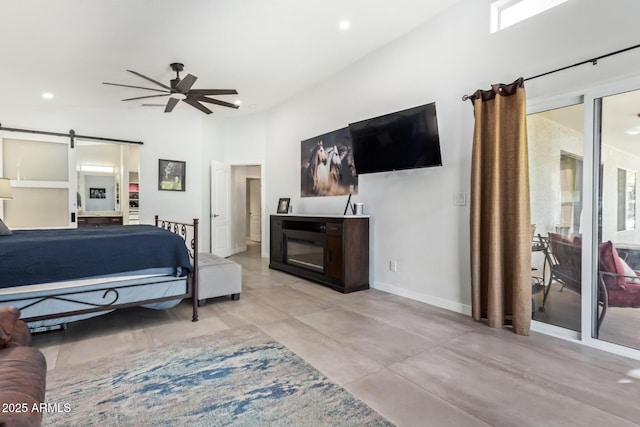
point(188, 232)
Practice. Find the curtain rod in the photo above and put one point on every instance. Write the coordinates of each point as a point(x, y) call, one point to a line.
point(72, 135)
point(593, 61)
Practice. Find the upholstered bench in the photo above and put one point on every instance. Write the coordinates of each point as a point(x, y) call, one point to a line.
point(218, 277)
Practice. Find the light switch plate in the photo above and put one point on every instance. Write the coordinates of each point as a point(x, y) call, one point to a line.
point(460, 199)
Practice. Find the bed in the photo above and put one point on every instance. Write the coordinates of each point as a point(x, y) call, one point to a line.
point(59, 276)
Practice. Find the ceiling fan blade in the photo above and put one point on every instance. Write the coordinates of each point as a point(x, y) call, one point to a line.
point(186, 83)
point(171, 105)
point(145, 97)
point(216, 101)
point(150, 79)
point(213, 92)
point(135, 87)
point(194, 103)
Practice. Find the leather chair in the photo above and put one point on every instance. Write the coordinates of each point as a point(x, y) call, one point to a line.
point(23, 373)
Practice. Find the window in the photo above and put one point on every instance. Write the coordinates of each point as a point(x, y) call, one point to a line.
point(626, 200)
point(505, 13)
point(571, 193)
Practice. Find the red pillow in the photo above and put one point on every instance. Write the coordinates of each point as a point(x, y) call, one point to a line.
point(610, 263)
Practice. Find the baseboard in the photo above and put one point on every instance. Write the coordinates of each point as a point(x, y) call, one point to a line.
point(427, 299)
point(238, 250)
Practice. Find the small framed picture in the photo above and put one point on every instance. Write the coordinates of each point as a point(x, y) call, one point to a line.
point(283, 205)
point(171, 175)
point(97, 193)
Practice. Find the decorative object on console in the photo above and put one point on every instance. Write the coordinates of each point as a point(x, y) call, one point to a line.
point(356, 208)
point(171, 175)
point(283, 205)
point(326, 165)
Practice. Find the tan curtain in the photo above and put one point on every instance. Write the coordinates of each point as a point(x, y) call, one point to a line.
point(500, 209)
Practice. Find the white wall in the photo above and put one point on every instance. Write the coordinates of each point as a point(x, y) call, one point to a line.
point(176, 136)
point(245, 147)
point(413, 217)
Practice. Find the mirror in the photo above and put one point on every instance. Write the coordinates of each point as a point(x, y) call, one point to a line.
point(107, 180)
point(98, 192)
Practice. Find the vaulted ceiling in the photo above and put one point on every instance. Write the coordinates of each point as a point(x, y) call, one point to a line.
point(266, 49)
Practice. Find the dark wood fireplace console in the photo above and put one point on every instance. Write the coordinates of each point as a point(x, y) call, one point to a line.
point(331, 250)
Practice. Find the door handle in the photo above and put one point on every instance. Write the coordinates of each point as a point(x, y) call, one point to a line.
point(215, 215)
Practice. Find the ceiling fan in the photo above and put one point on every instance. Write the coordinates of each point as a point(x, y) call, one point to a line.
point(180, 89)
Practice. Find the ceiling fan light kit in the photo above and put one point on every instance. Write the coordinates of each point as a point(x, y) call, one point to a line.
point(180, 90)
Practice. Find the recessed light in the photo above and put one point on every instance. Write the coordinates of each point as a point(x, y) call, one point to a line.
point(345, 25)
point(238, 102)
point(633, 131)
point(47, 95)
point(95, 168)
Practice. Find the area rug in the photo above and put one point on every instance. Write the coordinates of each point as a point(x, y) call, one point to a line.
point(238, 377)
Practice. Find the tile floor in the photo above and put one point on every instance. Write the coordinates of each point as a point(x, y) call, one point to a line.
point(415, 364)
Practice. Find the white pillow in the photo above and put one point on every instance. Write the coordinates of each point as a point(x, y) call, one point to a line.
point(628, 271)
point(4, 230)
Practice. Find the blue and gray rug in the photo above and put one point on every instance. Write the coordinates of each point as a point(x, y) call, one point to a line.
point(238, 377)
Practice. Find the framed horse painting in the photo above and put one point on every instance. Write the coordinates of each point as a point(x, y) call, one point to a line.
point(326, 165)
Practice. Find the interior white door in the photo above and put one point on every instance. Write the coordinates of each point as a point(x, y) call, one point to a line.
point(255, 210)
point(220, 215)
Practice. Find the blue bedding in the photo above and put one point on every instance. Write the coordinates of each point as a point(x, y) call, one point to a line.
point(41, 256)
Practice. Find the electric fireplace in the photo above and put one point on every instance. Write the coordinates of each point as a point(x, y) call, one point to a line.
point(333, 251)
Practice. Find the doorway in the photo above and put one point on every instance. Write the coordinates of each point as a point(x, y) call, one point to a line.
point(254, 210)
point(236, 207)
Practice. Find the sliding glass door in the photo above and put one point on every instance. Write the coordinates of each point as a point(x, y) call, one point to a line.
point(615, 302)
point(584, 158)
point(556, 141)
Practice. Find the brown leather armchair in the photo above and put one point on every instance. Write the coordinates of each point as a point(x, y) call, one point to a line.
point(23, 373)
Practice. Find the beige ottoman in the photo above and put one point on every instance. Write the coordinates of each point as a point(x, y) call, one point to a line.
point(218, 277)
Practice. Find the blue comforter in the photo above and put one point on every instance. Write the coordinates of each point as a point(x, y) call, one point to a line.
point(40, 256)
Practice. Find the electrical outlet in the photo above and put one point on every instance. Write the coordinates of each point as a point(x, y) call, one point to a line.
point(460, 199)
point(393, 265)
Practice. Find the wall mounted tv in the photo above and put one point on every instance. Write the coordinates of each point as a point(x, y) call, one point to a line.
point(406, 139)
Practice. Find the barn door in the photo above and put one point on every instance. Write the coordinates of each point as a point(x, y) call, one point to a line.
point(43, 181)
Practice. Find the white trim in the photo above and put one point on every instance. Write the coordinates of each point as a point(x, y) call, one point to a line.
point(427, 299)
point(39, 184)
point(555, 331)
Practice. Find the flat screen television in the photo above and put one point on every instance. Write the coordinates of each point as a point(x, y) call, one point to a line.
point(406, 139)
